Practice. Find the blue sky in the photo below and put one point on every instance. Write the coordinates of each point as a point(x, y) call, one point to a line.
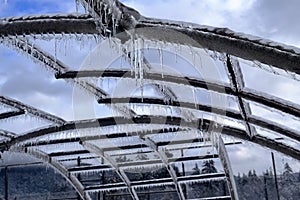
point(272, 19)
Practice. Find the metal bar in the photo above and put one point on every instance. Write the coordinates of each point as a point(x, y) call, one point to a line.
point(145, 183)
point(217, 39)
point(98, 151)
point(100, 137)
point(274, 127)
point(263, 99)
point(86, 168)
point(223, 155)
point(31, 110)
point(221, 40)
point(151, 192)
point(215, 198)
point(238, 84)
point(22, 165)
point(6, 183)
point(7, 115)
point(166, 120)
point(268, 101)
point(67, 153)
point(152, 76)
point(169, 167)
point(251, 119)
point(7, 134)
point(143, 163)
point(103, 122)
point(48, 24)
point(180, 104)
point(275, 175)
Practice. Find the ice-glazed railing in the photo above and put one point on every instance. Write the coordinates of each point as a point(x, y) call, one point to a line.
point(185, 113)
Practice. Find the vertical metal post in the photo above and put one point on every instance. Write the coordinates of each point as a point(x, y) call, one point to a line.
point(184, 187)
point(78, 176)
point(6, 183)
point(224, 188)
point(103, 179)
point(276, 182)
point(99, 195)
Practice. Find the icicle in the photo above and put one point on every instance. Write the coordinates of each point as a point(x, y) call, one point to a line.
point(82, 41)
point(105, 13)
point(140, 47)
point(195, 97)
point(77, 6)
point(176, 54)
point(161, 62)
point(193, 56)
point(55, 49)
point(135, 60)
point(65, 43)
point(32, 49)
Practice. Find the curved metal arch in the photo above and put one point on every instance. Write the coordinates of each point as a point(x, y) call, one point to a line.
point(220, 146)
point(261, 122)
point(223, 89)
point(166, 163)
point(221, 40)
point(167, 120)
point(98, 151)
point(212, 86)
point(34, 19)
point(217, 39)
point(47, 24)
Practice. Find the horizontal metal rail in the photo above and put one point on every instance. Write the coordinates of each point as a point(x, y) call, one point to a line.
point(10, 114)
point(263, 99)
point(165, 181)
point(166, 120)
point(264, 123)
point(100, 137)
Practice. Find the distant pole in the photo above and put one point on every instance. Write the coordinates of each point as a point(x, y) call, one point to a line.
point(266, 189)
point(6, 183)
point(78, 176)
point(276, 182)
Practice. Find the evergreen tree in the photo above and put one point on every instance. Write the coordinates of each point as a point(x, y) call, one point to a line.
point(254, 173)
point(196, 170)
point(121, 159)
point(250, 173)
point(288, 175)
point(208, 166)
point(142, 156)
point(287, 169)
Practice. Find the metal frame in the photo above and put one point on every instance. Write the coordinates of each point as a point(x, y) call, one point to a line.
point(101, 20)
